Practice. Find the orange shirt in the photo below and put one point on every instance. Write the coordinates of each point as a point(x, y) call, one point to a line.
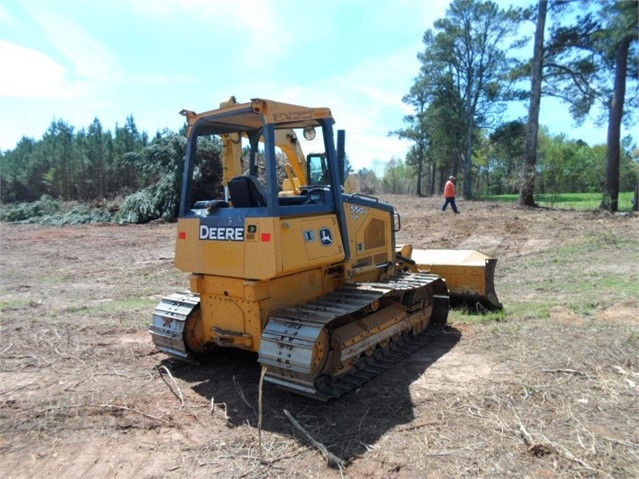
point(449, 189)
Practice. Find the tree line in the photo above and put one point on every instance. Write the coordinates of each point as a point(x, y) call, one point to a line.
point(471, 68)
point(564, 166)
point(94, 163)
point(80, 165)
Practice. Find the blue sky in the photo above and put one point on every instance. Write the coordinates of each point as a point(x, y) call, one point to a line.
point(78, 60)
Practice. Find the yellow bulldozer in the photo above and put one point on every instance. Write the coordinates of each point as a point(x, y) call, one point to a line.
point(295, 267)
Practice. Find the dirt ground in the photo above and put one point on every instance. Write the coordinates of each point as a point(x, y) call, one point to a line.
point(83, 393)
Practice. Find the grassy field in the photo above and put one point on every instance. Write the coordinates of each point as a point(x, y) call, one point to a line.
point(560, 282)
point(575, 201)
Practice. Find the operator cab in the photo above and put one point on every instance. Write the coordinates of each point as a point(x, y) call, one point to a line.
point(269, 173)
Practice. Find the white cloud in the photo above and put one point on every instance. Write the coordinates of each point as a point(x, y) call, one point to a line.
point(30, 73)
point(71, 64)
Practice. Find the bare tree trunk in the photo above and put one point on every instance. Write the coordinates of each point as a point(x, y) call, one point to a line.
point(611, 189)
point(433, 178)
point(527, 191)
point(420, 170)
point(455, 168)
point(468, 173)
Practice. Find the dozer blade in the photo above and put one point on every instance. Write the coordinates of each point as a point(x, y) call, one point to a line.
point(469, 274)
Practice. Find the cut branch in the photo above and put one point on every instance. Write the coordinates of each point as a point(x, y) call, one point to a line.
point(332, 459)
point(177, 394)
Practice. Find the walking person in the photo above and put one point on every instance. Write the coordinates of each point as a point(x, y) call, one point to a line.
point(450, 191)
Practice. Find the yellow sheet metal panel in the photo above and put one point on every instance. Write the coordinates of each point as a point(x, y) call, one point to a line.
point(232, 287)
point(370, 235)
point(235, 311)
point(310, 242)
point(450, 256)
point(462, 278)
point(228, 314)
point(263, 248)
point(469, 274)
point(294, 289)
point(256, 290)
point(201, 249)
point(463, 270)
point(277, 112)
point(247, 249)
point(229, 319)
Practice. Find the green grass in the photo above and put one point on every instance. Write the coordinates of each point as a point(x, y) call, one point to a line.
point(584, 277)
point(16, 304)
point(460, 315)
point(577, 201)
point(128, 312)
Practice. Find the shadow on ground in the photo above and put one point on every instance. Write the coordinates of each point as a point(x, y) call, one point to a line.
point(345, 426)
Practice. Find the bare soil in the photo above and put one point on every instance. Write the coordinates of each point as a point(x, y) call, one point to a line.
point(83, 393)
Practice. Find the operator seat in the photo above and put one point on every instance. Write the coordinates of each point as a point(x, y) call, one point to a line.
point(246, 192)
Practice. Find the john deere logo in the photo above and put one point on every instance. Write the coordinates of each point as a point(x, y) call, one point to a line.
point(326, 237)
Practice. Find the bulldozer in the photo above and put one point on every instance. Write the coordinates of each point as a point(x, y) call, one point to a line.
point(293, 266)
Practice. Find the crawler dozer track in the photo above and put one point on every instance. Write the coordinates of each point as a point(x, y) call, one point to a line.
point(169, 320)
point(327, 347)
point(334, 344)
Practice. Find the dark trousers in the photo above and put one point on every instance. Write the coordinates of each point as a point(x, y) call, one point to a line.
point(450, 200)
